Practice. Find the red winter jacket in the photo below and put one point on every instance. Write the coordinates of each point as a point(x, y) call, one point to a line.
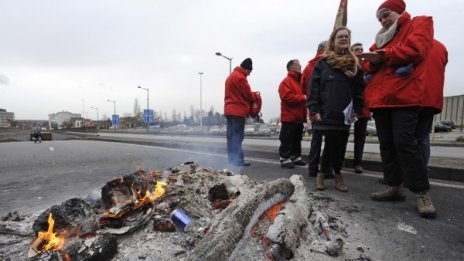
point(238, 95)
point(292, 99)
point(436, 62)
point(365, 112)
point(308, 70)
point(411, 44)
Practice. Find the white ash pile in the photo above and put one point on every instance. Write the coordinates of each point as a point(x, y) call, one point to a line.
point(188, 212)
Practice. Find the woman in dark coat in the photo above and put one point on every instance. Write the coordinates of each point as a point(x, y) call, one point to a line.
point(336, 98)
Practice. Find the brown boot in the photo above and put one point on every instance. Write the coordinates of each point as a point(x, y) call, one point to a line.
point(320, 181)
point(391, 194)
point(424, 205)
point(339, 184)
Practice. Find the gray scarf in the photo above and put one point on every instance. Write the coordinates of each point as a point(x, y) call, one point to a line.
point(385, 35)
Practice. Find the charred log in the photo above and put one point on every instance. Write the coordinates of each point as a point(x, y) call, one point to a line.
point(231, 223)
point(71, 212)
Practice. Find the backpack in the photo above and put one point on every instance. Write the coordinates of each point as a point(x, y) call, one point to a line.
point(255, 110)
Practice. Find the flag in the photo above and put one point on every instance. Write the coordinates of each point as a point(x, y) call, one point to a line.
point(342, 14)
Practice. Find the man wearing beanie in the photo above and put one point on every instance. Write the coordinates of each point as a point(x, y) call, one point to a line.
point(237, 100)
point(395, 99)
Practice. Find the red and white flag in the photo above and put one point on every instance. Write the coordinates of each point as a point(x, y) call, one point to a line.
point(342, 14)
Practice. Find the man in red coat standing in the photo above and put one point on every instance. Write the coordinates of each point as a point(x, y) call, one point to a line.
point(432, 103)
point(292, 116)
point(360, 126)
point(237, 101)
point(316, 139)
point(395, 100)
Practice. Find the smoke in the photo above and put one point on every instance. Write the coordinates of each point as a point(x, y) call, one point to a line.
point(4, 80)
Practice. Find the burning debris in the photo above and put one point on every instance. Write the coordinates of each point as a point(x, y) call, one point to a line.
point(188, 212)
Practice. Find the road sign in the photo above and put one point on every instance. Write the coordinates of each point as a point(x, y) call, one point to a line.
point(115, 120)
point(147, 115)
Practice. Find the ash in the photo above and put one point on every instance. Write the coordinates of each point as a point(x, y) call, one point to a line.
point(231, 221)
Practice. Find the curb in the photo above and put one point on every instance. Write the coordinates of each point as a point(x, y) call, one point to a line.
point(436, 172)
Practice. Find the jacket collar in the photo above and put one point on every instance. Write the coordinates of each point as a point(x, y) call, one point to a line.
point(294, 75)
point(405, 17)
point(240, 70)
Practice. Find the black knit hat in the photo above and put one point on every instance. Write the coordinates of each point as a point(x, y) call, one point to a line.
point(247, 64)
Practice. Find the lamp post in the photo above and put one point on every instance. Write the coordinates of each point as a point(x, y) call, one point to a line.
point(201, 99)
point(114, 104)
point(228, 58)
point(95, 108)
point(148, 105)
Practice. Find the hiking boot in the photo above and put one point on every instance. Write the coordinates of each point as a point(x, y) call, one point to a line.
point(340, 184)
point(299, 162)
point(358, 169)
point(391, 194)
point(424, 205)
point(287, 164)
point(320, 181)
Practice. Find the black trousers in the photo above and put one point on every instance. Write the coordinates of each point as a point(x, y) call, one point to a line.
point(335, 148)
point(290, 138)
point(314, 156)
point(401, 158)
point(360, 132)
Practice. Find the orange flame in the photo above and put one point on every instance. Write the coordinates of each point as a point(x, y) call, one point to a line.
point(150, 197)
point(142, 200)
point(53, 241)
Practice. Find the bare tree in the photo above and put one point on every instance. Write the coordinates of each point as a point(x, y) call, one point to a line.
point(137, 113)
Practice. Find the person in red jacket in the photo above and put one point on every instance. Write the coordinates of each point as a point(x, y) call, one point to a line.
point(292, 116)
point(395, 100)
point(237, 101)
point(314, 156)
point(432, 102)
point(360, 126)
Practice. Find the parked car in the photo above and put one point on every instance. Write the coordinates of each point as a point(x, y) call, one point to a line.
point(264, 130)
point(214, 129)
point(250, 129)
point(440, 127)
point(451, 124)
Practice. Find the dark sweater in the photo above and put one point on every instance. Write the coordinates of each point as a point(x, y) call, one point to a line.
point(331, 92)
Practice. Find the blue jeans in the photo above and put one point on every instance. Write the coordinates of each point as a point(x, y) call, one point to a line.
point(235, 136)
point(423, 129)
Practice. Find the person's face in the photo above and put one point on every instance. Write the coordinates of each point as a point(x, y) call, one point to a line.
point(342, 41)
point(296, 67)
point(247, 72)
point(357, 49)
point(387, 17)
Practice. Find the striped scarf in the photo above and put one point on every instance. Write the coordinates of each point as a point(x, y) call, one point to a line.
point(385, 35)
point(346, 62)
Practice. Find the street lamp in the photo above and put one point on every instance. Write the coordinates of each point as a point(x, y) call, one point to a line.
point(228, 58)
point(201, 108)
point(95, 108)
point(114, 104)
point(148, 105)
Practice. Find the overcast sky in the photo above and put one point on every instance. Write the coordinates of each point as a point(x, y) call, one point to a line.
point(68, 55)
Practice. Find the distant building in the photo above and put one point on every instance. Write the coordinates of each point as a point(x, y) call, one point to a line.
point(6, 118)
point(64, 119)
point(453, 109)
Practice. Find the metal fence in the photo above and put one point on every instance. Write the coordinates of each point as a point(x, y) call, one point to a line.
point(453, 109)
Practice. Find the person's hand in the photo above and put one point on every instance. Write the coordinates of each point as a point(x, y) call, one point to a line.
point(317, 117)
point(306, 98)
point(375, 57)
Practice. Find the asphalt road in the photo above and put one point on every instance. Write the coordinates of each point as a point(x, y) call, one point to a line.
point(36, 176)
